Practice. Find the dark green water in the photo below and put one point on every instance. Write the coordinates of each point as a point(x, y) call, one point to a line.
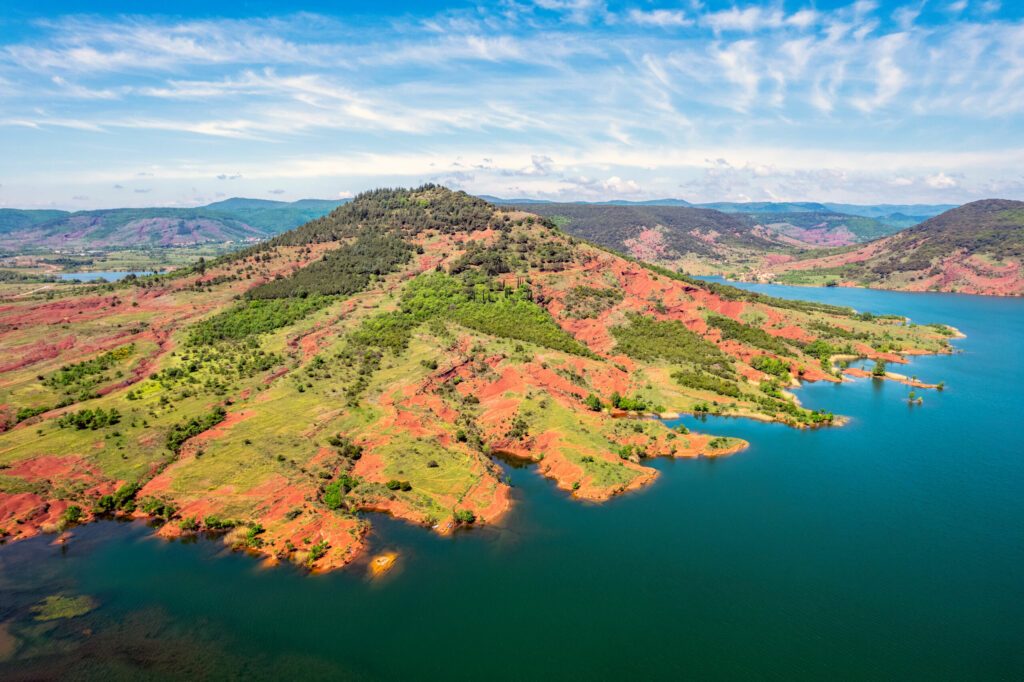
point(892, 548)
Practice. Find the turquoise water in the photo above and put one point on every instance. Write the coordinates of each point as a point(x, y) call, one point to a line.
point(93, 276)
point(891, 548)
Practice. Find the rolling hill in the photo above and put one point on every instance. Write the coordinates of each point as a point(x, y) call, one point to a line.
point(709, 241)
point(976, 248)
point(658, 233)
point(232, 220)
point(377, 359)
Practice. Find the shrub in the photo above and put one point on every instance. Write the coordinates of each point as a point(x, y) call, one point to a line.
point(252, 536)
point(28, 412)
point(90, 419)
point(217, 523)
point(122, 500)
point(464, 517)
point(180, 433)
point(73, 514)
point(770, 365)
point(317, 552)
point(156, 507)
point(334, 493)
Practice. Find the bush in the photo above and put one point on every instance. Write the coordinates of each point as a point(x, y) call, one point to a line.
point(90, 419)
point(464, 517)
point(334, 493)
point(317, 552)
point(180, 433)
point(159, 508)
point(634, 404)
point(72, 515)
point(217, 523)
point(122, 500)
point(770, 365)
point(28, 412)
point(252, 536)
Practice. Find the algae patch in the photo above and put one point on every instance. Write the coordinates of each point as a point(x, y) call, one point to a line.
point(58, 606)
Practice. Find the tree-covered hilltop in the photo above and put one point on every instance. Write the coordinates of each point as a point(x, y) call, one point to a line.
point(975, 248)
point(376, 359)
point(992, 227)
point(682, 229)
point(406, 212)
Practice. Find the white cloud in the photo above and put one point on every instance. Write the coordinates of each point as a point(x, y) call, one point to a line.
point(940, 181)
point(739, 63)
point(804, 18)
point(527, 97)
point(907, 15)
point(74, 90)
point(663, 18)
point(889, 76)
point(746, 20)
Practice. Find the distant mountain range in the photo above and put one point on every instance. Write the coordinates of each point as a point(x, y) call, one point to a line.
point(895, 215)
point(231, 220)
point(757, 225)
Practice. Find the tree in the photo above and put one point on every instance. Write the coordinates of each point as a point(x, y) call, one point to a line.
point(879, 370)
point(593, 403)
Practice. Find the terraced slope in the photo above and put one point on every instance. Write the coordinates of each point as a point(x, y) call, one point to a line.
point(379, 359)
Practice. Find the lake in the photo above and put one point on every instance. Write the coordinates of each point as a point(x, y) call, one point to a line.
point(890, 548)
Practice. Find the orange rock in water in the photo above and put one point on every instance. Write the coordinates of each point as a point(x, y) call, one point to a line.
point(382, 563)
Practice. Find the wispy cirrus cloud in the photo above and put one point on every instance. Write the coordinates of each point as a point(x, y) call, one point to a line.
point(598, 90)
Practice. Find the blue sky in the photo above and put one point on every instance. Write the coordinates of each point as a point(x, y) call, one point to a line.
point(863, 102)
